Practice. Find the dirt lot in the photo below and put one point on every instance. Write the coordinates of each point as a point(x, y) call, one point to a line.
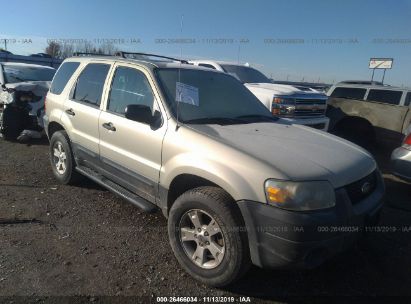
point(84, 241)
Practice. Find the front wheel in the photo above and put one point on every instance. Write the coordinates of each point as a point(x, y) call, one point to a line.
point(207, 236)
point(61, 158)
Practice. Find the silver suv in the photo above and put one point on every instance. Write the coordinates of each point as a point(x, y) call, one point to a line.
point(237, 187)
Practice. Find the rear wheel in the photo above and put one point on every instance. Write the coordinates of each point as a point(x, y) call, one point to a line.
point(207, 236)
point(61, 158)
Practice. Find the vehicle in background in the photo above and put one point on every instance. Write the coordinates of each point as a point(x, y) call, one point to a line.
point(364, 82)
point(319, 87)
point(366, 114)
point(43, 55)
point(236, 186)
point(22, 95)
point(3, 51)
point(401, 158)
point(301, 106)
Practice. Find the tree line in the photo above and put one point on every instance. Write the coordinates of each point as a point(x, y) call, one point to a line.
point(64, 50)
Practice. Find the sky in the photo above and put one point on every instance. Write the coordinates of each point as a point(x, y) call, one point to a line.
point(311, 40)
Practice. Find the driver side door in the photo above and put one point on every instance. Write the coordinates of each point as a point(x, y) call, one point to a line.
point(130, 151)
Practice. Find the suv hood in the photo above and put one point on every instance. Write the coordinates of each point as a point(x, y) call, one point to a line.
point(300, 153)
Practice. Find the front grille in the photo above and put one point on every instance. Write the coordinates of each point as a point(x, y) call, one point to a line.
point(309, 107)
point(356, 191)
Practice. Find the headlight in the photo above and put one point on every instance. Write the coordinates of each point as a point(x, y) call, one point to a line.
point(300, 196)
point(283, 106)
point(5, 97)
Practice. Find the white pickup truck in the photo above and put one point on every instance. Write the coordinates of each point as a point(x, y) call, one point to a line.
point(295, 105)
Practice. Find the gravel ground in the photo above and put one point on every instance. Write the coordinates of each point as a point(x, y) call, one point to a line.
point(62, 241)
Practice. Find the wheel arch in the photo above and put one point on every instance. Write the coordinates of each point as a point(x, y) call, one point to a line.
point(54, 127)
point(185, 182)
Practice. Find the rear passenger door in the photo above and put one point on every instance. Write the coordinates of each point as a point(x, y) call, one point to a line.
point(82, 111)
point(130, 151)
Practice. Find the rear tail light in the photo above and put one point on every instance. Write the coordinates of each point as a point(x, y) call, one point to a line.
point(407, 140)
point(45, 97)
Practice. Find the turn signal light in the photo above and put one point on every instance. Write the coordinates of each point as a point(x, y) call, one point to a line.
point(275, 111)
point(277, 195)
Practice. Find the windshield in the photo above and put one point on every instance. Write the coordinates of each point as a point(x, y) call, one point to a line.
point(245, 74)
point(21, 73)
point(210, 97)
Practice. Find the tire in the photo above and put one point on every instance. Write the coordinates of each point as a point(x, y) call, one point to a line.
point(204, 203)
point(357, 131)
point(13, 122)
point(61, 153)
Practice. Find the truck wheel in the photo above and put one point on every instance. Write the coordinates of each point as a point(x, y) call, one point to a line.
point(207, 235)
point(358, 131)
point(61, 158)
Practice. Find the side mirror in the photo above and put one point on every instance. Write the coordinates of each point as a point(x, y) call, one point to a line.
point(143, 114)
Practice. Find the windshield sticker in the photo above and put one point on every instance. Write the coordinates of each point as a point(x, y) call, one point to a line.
point(187, 94)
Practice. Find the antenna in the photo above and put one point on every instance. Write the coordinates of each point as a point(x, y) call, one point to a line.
point(179, 74)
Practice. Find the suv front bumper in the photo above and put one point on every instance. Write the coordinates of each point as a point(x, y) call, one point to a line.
point(288, 239)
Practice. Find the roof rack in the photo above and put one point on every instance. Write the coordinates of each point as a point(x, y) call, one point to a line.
point(124, 55)
point(76, 54)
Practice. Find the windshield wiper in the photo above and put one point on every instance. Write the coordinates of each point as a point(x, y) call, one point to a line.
point(257, 118)
point(216, 120)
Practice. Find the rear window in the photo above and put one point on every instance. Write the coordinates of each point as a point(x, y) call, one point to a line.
point(245, 74)
point(385, 96)
point(22, 73)
point(63, 75)
point(352, 93)
point(90, 83)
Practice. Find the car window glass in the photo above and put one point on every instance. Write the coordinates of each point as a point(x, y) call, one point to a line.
point(15, 73)
point(129, 86)
point(206, 94)
point(62, 76)
point(408, 99)
point(385, 96)
point(352, 93)
point(90, 83)
point(207, 66)
point(245, 74)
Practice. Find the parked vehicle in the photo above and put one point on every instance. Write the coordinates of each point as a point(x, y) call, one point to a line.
point(236, 186)
point(401, 158)
point(364, 82)
point(292, 104)
point(5, 52)
point(305, 86)
point(23, 88)
point(368, 113)
point(43, 55)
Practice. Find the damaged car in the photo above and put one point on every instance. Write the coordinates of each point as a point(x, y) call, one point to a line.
point(22, 99)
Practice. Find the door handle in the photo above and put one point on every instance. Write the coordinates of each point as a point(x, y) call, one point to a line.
point(70, 112)
point(109, 126)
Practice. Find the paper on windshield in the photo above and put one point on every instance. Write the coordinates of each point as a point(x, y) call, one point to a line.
point(187, 94)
